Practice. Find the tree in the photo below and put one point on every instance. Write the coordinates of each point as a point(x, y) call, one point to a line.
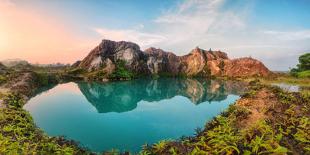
point(304, 62)
point(303, 68)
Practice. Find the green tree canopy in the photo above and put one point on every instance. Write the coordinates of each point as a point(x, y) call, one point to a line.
point(304, 62)
point(303, 68)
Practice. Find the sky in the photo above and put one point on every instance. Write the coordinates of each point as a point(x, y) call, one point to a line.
point(275, 32)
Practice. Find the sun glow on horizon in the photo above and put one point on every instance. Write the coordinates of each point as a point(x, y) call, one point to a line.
point(25, 34)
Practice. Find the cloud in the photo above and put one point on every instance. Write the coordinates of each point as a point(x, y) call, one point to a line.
point(209, 24)
point(143, 39)
point(191, 23)
point(289, 35)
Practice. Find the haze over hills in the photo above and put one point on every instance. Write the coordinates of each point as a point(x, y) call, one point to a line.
point(198, 62)
point(24, 63)
point(14, 62)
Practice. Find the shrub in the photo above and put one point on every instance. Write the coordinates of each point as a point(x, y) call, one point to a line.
point(121, 72)
point(14, 100)
point(303, 68)
point(43, 79)
point(304, 74)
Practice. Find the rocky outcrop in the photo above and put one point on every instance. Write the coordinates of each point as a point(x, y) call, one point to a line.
point(24, 83)
point(198, 62)
point(159, 61)
point(76, 64)
point(245, 67)
point(108, 53)
point(28, 82)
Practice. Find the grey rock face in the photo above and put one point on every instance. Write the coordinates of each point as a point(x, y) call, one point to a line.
point(109, 52)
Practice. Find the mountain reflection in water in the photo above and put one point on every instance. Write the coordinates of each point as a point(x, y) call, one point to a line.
point(118, 97)
point(125, 115)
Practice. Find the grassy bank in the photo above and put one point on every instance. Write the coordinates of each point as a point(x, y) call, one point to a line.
point(266, 120)
point(304, 82)
point(19, 135)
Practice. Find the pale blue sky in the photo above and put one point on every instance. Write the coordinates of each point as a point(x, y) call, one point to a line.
point(273, 31)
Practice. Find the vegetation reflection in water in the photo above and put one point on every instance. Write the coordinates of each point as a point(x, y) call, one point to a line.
point(125, 115)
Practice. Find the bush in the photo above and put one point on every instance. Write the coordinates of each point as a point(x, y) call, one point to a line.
point(14, 100)
point(303, 68)
point(304, 74)
point(19, 135)
point(121, 72)
point(43, 79)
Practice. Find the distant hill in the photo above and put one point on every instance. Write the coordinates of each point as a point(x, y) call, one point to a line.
point(14, 62)
point(3, 69)
point(54, 65)
point(17, 64)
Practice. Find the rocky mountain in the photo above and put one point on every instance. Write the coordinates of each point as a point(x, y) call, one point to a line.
point(198, 62)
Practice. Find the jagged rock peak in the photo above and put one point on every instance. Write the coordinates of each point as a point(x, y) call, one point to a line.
point(118, 44)
point(108, 52)
point(156, 51)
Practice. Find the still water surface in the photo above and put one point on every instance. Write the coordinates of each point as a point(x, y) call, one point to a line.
point(125, 115)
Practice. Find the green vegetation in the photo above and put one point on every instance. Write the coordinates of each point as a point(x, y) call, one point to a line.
point(3, 79)
point(283, 78)
point(19, 135)
point(76, 71)
point(277, 132)
point(43, 79)
point(96, 75)
point(303, 74)
point(121, 72)
point(303, 68)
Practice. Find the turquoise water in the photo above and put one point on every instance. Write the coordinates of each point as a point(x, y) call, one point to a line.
point(125, 115)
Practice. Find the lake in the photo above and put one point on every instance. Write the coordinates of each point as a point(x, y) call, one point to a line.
point(128, 114)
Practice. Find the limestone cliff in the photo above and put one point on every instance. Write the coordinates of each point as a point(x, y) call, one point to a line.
point(198, 62)
point(107, 53)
